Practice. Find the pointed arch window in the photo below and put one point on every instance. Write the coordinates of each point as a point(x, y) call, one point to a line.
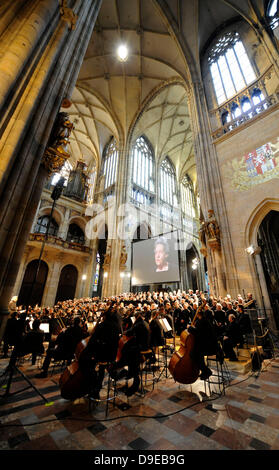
point(230, 66)
point(187, 196)
point(143, 164)
point(143, 172)
point(110, 163)
point(273, 13)
point(168, 187)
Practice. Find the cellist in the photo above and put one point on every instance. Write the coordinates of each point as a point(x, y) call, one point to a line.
point(205, 342)
point(102, 347)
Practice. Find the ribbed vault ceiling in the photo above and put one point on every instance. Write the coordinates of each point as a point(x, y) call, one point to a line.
point(147, 94)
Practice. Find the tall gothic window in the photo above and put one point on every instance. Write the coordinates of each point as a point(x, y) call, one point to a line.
point(187, 196)
point(110, 163)
point(168, 189)
point(230, 67)
point(142, 172)
point(273, 13)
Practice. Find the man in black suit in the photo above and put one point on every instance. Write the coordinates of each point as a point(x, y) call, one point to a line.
point(231, 338)
point(64, 347)
point(205, 342)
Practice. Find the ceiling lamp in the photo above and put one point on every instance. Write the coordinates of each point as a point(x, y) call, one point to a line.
point(122, 53)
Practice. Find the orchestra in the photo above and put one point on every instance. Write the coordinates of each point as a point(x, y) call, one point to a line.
point(117, 330)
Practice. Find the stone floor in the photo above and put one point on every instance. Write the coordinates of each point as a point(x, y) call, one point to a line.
point(170, 417)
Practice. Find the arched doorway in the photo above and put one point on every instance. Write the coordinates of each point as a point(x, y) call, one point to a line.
point(67, 283)
point(33, 284)
point(268, 241)
point(193, 268)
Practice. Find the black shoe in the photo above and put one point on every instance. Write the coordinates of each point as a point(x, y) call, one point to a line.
point(42, 375)
point(205, 374)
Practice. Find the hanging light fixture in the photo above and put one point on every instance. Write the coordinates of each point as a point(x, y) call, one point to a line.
point(122, 53)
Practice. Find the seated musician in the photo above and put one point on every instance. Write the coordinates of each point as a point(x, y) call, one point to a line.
point(205, 342)
point(156, 333)
point(231, 338)
point(63, 348)
point(102, 347)
point(139, 340)
point(33, 341)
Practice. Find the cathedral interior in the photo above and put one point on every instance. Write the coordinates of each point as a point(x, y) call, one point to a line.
point(122, 121)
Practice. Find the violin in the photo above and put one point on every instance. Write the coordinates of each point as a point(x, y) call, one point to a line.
point(181, 366)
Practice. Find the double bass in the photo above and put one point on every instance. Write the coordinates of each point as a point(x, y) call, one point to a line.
point(181, 366)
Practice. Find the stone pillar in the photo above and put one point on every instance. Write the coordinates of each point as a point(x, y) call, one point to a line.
point(24, 262)
point(36, 68)
point(52, 281)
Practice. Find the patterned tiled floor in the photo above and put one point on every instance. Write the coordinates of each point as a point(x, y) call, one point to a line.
point(171, 417)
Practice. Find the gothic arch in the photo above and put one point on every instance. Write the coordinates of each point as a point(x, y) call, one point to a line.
point(256, 218)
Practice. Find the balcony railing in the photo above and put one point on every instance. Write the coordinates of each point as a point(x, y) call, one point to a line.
point(59, 242)
point(225, 114)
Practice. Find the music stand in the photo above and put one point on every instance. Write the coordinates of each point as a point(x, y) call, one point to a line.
point(11, 369)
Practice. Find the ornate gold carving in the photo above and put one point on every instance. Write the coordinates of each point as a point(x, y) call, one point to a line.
point(212, 227)
point(209, 234)
point(107, 257)
point(123, 256)
point(56, 152)
point(67, 14)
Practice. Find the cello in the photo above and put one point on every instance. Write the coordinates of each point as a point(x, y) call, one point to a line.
point(72, 382)
point(181, 366)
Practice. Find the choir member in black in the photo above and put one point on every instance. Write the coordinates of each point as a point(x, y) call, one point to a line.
point(231, 338)
point(139, 341)
point(11, 333)
point(243, 321)
point(250, 303)
point(102, 347)
point(64, 347)
point(34, 341)
point(176, 316)
point(156, 333)
point(220, 320)
point(230, 311)
point(205, 342)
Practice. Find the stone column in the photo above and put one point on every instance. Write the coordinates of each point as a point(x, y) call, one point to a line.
point(36, 68)
point(24, 262)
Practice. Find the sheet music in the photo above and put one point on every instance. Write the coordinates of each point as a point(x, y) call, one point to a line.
point(44, 327)
point(165, 324)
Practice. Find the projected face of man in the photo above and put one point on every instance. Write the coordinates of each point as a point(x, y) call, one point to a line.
point(161, 256)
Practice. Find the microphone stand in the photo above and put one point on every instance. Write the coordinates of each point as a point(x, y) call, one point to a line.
point(12, 367)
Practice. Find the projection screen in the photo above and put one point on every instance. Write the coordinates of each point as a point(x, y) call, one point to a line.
point(156, 260)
